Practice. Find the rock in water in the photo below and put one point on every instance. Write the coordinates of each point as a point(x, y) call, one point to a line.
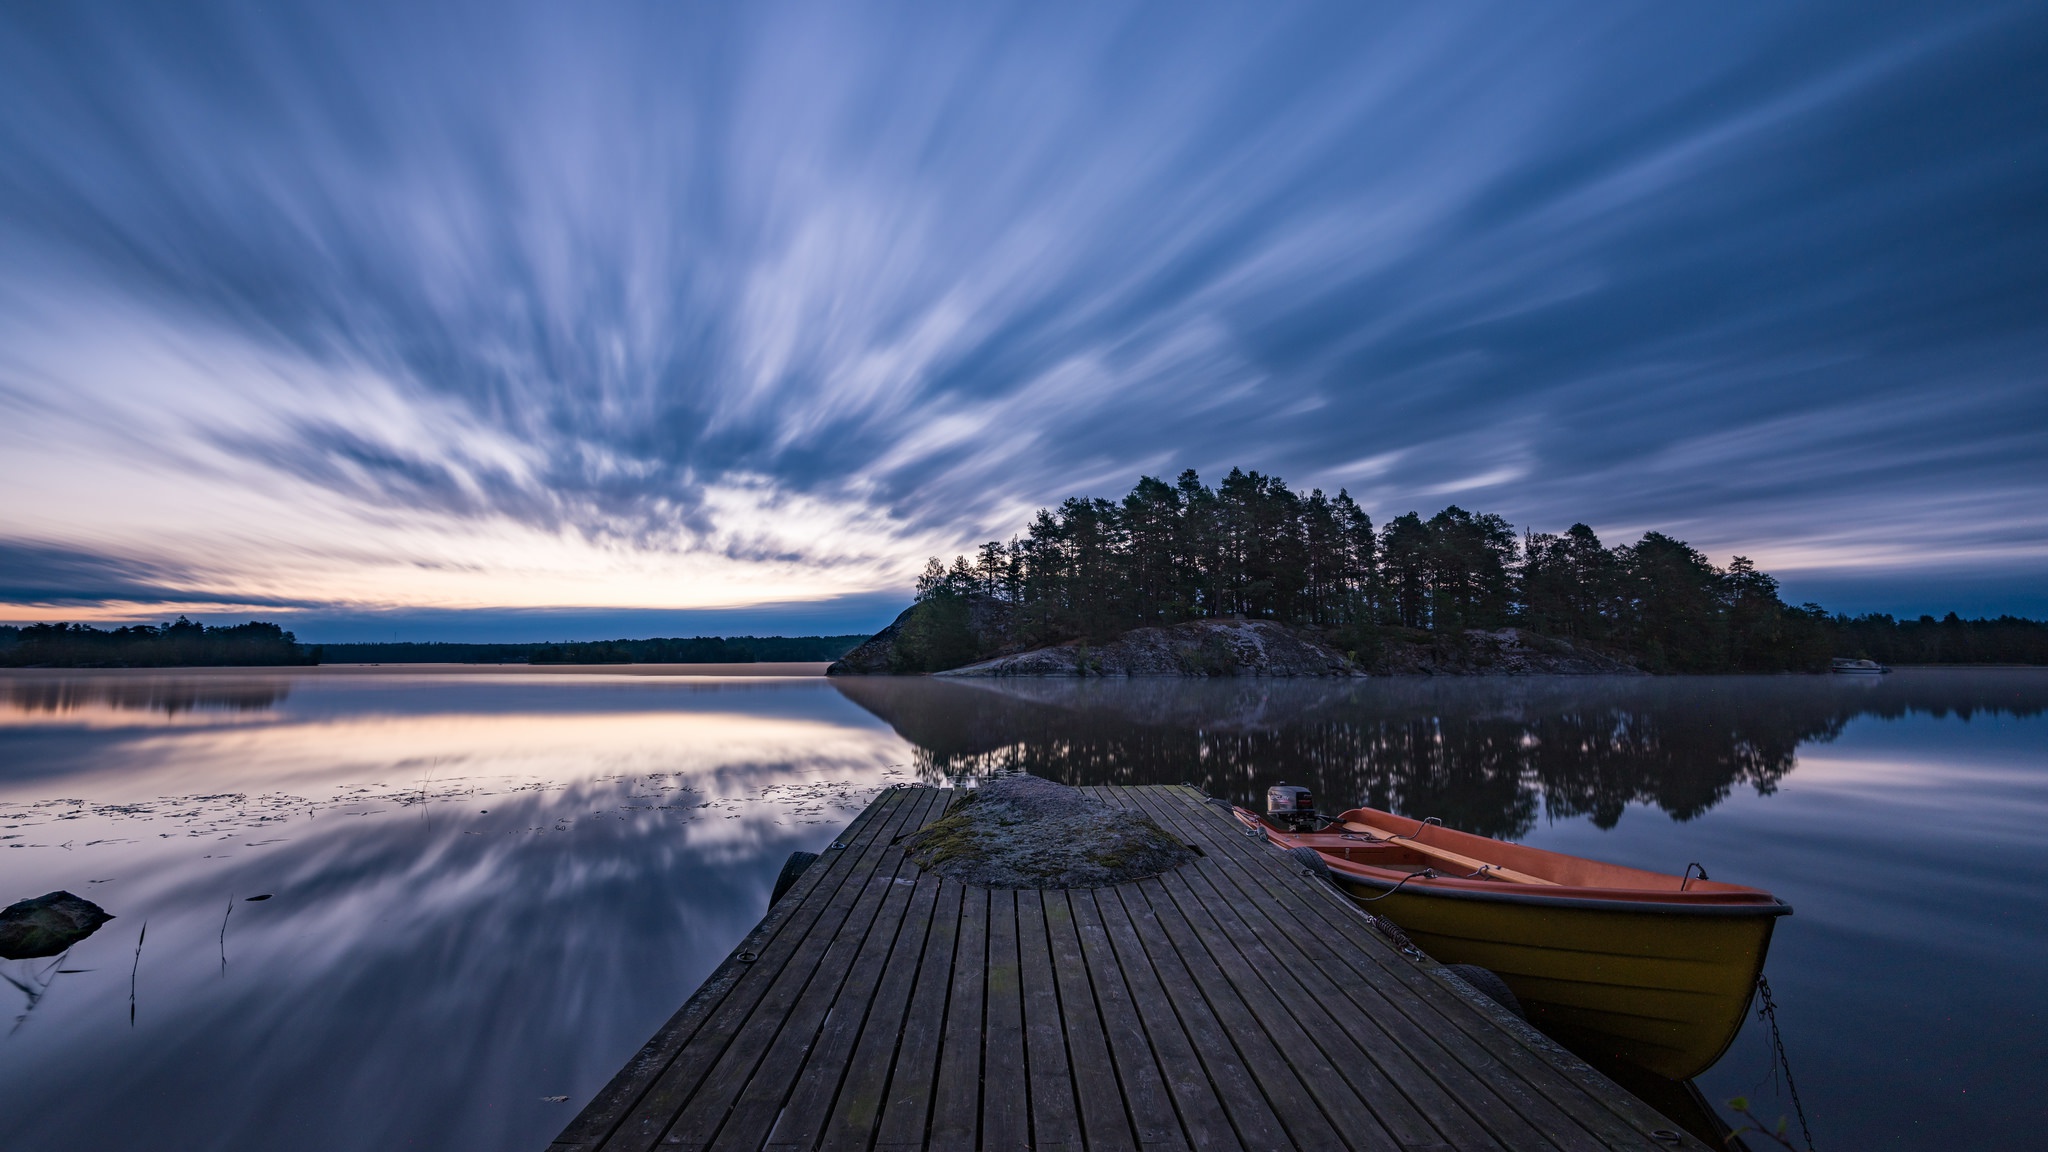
point(47, 925)
point(1027, 832)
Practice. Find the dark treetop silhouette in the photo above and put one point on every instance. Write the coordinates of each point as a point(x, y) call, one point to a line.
point(187, 643)
point(1253, 547)
point(655, 650)
point(143, 646)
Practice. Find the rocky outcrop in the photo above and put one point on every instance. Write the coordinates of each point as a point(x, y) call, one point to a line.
point(1195, 648)
point(929, 636)
point(926, 638)
point(874, 656)
point(1500, 652)
point(47, 925)
point(1027, 832)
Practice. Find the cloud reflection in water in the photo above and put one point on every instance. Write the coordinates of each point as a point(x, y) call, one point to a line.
point(428, 971)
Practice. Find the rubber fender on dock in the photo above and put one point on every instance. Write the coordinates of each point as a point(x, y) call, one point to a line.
point(1313, 863)
point(1489, 985)
point(792, 870)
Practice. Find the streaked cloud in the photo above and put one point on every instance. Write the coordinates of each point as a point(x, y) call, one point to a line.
point(452, 308)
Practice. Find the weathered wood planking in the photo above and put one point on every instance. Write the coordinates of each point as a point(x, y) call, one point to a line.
point(1232, 1003)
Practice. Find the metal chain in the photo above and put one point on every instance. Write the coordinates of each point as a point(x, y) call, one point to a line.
point(1767, 1011)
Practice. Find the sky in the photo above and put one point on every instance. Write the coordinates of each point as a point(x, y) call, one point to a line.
point(432, 321)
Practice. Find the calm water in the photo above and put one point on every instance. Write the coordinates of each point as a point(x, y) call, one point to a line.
point(489, 887)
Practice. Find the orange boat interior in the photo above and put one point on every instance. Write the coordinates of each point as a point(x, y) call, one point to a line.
point(1380, 845)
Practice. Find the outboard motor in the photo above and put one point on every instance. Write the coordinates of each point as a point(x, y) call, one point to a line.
point(1291, 807)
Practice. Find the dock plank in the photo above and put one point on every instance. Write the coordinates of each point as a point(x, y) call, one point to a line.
point(1483, 1085)
point(1230, 1075)
point(1288, 1018)
point(858, 1106)
point(1194, 1093)
point(1394, 1077)
point(956, 1098)
point(1232, 1003)
point(1285, 1083)
point(1055, 1118)
point(1572, 1111)
point(1106, 1125)
point(603, 1115)
point(771, 1045)
point(798, 1116)
point(1005, 1088)
point(736, 1035)
point(907, 1101)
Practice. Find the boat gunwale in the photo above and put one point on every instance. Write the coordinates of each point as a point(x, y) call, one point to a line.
point(1745, 901)
point(1633, 902)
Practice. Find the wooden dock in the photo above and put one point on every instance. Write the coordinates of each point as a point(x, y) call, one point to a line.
point(1232, 1003)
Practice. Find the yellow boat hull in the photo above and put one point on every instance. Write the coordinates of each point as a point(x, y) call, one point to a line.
point(1664, 990)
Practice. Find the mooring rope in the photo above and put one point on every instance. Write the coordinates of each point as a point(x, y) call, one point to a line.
point(1425, 874)
point(1767, 1011)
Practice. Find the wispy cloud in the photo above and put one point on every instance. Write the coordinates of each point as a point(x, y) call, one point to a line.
point(489, 305)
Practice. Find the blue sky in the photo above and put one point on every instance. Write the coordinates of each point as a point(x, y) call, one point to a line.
point(451, 321)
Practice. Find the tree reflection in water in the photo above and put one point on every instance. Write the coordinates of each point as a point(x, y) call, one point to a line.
point(1485, 755)
point(169, 692)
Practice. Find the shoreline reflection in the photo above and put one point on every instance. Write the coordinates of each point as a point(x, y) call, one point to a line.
point(170, 694)
point(1485, 755)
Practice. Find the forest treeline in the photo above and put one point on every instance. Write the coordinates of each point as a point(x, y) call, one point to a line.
point(657, 650)
point(1251, 546)
point(177, 644)
point(255, 643)
point(699, 650)
point(1949, 640)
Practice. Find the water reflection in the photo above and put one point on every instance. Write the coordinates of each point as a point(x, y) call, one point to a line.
point(491, 887)
point(1901, 817)
point(487, 891)
point(1488, 756)
point(167, 694)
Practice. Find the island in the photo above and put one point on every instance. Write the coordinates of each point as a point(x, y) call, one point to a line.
point(1254, 578)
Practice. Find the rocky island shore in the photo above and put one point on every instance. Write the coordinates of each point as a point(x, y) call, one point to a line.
point(1233, 647)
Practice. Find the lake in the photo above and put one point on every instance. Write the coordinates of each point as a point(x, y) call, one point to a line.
point(482, 889)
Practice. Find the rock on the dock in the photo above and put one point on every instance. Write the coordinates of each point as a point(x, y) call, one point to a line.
point(47, 925)
point(1028, 832)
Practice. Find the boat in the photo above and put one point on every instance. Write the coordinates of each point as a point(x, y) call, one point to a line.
point(1857, 667)
point(1621, 965)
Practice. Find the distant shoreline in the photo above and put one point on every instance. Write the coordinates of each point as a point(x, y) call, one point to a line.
point(785, 670)
point(806, 668)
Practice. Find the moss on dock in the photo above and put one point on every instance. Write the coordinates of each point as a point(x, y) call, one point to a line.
point(1026, 832)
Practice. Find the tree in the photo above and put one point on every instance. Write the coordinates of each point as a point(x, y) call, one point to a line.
point(1468, 561)
point(1405, 571)
point(1568, 584)
point(1673, 593)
